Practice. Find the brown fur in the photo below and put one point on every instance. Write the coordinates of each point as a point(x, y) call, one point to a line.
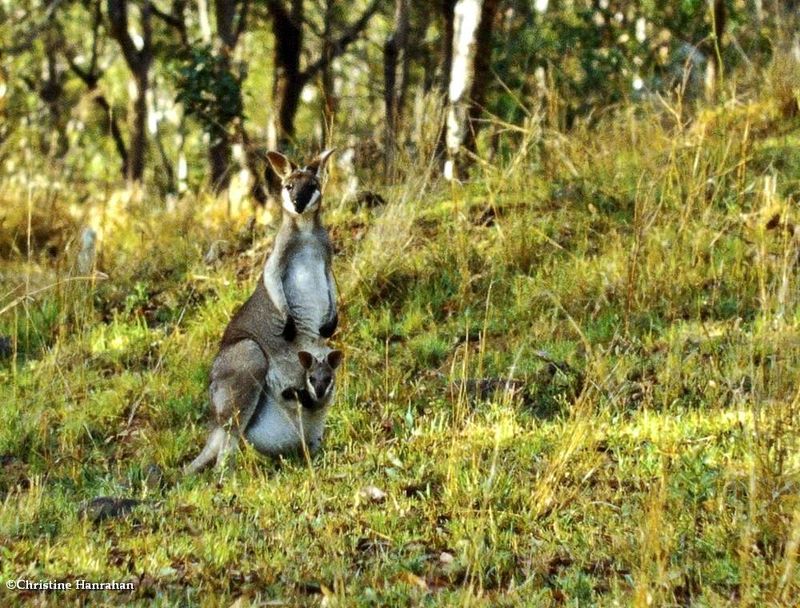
point(260, 334)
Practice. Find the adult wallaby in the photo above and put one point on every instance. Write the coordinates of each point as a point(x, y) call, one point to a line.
point(300, 263)
point(292, 309)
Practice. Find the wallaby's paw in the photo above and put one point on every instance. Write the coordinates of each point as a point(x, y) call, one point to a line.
point(305, 399)
point(289, 329)
point(198, 464)
point(326, 331)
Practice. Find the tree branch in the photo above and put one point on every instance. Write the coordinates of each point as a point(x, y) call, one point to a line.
point(138, 61)
point(241, 22)
point(339, 46)
point(173, 19)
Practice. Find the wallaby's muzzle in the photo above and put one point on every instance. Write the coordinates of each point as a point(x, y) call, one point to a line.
point(320, 385)
point(304, 191)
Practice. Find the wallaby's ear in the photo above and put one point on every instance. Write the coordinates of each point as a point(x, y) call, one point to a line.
point(318, 164)
point(282, 165)
point(306, 359)
point(335, 358)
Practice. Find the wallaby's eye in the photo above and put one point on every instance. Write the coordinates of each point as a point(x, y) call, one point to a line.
point(289, 187)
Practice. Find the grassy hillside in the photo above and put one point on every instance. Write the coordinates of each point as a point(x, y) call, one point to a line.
point(569, 381)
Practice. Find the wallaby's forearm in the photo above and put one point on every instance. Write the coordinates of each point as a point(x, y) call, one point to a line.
point(273, 282)
point(332, 310)
point(332, 318)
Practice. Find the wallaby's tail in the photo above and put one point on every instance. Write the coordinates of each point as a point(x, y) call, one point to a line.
point(216, 440)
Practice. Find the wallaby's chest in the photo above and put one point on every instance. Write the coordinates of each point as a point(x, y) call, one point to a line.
point(278, 427)
point(305, 282)
point(305, 272)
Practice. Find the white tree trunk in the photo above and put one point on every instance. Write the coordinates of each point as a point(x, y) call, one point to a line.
point(466, 18)
point(205, 23)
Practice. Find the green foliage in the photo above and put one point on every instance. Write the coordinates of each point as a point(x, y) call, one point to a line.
point(208, 89)
point(593, 52)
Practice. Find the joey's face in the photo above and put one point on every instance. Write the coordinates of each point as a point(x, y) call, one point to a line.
point(320, 373)
point(301, 192)
point(320, 380)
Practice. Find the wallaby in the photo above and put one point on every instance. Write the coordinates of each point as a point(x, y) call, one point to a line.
point(300, 263)
point(297, 285)
point(293, 420)
point(284, 420)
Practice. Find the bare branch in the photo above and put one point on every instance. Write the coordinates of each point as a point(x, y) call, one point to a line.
point(174, 19)
point(138, 61)
point(339, 46)
point(242, 21)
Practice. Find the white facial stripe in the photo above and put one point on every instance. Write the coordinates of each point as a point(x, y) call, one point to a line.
point(314, 200)
point(287, 201)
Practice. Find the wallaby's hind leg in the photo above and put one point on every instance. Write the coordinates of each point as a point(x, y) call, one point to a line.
point(229, 447)
point(210, 452)
point(237, 379)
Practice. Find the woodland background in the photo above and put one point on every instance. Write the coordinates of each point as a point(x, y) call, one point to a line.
point(184, 95)
point(566, 249)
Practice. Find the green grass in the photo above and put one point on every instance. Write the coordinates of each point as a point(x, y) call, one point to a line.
point(654, 463)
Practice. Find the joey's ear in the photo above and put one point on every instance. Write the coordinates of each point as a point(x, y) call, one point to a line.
point(306, 359)
point(318, 164)
point(282, 165)
point(335, 358)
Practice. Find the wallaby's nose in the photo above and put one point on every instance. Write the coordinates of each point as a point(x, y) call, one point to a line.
point(304, 196)
point(321, 385)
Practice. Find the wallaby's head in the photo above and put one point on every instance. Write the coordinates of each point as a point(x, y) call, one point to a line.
point(301, 188)
point(320, 373)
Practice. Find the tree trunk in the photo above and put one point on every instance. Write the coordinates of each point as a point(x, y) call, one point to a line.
point(228, 32)
point(138, 61)
point(287, 28)
point(288, 88)
point(394, 51)
point(467, 14)
point(482, 72)
point(714, 65)
point(219, 160)
point(329, 98)
point(447, 8)
point(51, 92)
point(138, 146)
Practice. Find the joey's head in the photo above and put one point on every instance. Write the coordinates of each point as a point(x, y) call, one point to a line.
point(301, 187)
point(320, 373)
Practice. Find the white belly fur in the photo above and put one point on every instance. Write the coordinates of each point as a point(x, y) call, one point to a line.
point(276, 427)
point(306, 288)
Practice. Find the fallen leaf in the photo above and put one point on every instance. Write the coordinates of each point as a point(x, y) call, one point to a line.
point(373, 494)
